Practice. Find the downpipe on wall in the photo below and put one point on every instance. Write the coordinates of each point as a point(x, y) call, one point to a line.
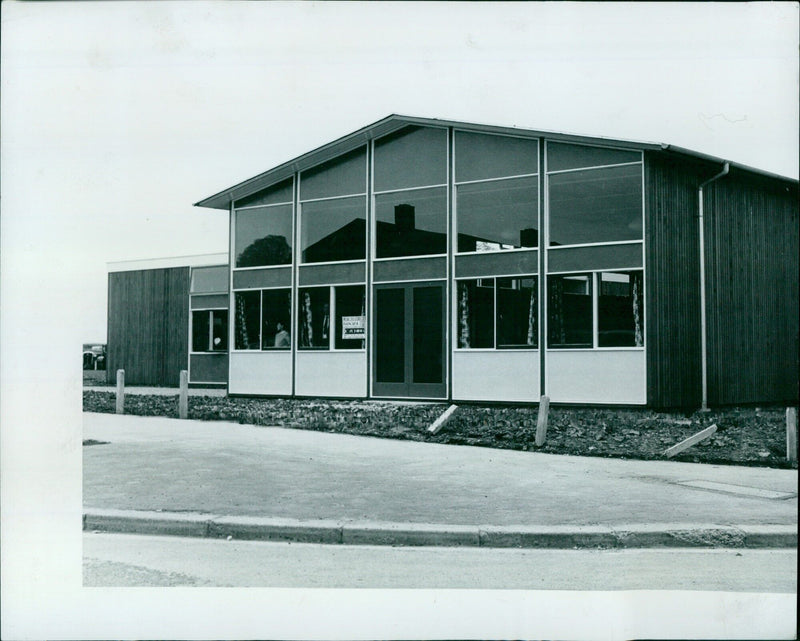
point(703, 327)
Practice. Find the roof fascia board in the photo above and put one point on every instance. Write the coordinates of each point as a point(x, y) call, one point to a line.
point(719, 161)
point(197, 260)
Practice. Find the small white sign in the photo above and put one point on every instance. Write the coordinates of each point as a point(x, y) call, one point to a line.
point(353, 327)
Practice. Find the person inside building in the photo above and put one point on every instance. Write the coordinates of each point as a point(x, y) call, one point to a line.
point(281, 336)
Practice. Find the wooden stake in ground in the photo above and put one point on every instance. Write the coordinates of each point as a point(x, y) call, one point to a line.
point(692, 440)
point(120, 391)
point(183, 399)
point(541, 422)
point(439, 422)
point(791, 434)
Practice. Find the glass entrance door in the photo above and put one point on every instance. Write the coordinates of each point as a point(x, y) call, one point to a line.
point(409, 354)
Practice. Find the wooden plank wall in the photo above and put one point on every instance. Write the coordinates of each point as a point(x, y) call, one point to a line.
point(751, 228)
point(672, 291)
point(148, 325)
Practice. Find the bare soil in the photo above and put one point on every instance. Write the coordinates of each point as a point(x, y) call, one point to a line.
point(744, 436)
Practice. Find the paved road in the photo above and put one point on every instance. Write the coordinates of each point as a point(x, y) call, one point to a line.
point(230, 469)
point(132, 560)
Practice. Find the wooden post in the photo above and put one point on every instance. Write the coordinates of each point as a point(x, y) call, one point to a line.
point(692, 440)
point(120, 391)
point(183, 399)
point(439, 422)
point(541, 422)
point(791, 434)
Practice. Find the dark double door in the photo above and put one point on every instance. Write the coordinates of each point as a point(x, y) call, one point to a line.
point(409, 330)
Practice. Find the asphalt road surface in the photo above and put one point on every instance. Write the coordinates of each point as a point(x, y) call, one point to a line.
point(111, 560)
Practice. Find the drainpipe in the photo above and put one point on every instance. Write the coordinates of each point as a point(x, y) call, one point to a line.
point(703, 330)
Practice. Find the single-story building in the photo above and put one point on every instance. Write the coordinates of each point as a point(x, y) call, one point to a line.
point(430, 259)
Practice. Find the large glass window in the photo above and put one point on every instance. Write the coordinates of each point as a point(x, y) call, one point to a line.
point(264, 236)
point(350, 330)
point(314, 318)
point(411, 223)
point(210, 330)
point(209, 280)
point(476, 313)
point(562, 156)
point(332, 230)
point(569, 311)
point(262, 319)
point(517, 312)
point(342, 176)
point(620, 310)
point(411, 157)
point(596, 205)
point(247, 333)
point(495, 215)
point(482, 156)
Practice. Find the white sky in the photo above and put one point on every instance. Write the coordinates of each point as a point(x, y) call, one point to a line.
point(117, 116)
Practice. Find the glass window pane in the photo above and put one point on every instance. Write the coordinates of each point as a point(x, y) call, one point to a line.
point(206, 280)
point(390, 345)
point(411, 223)
point(264, 236)
point(480, 156)
point(200, 331)
point(314, 318)
point(476, 313)
point(219, 340)
point(569, 311)
point(411, 157)
point(620, 307)
point(517, 312)
point(280, 193)
point(563, 156)
point(427, 330)
point(276, 316)
point(497, 215)
point(333, 230)
point(595, 206)
point(248, 313)
point(341, 176)
point(350, 306)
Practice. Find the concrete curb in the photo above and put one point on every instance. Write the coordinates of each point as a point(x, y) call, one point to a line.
point(623, 536)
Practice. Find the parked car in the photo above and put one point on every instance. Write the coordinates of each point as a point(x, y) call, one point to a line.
point(94, 356)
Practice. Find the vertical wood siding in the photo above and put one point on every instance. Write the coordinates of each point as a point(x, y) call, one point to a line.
point(148, 325)
point(672, 287)
point(751, 228)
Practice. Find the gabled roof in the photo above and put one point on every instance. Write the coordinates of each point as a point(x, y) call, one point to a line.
point(394, 122)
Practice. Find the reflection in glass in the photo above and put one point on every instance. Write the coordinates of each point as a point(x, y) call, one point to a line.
point(341, 176)
point(517, 312)
point(482, 156)
point(332, 230)
point(219, 330)
point(569, 311)
point(276, 305)
point(263, 236)
point(280, 193)
point(620, 309)
point(411, 157)
point(596, 205)
point(411, 223)
point(248, 314)
point(350, 301)
point(497, 215)
point(476, 313)
point(314, 318)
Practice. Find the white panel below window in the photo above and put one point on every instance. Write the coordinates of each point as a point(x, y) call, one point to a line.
point(268, 373)
point(604, 376)
point(331, 374)
point(496, 376)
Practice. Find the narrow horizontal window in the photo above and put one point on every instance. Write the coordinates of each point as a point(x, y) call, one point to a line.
point(517, 312)
point(476, 313)
point(497, 215)
point(263, 236)
point(209, 279)
point(333, 230)
point(620, 309)
point(411, 223)
point(569, 311)
point(596, 205)
point(279, 193)
point(562, 156)
point(314, 318)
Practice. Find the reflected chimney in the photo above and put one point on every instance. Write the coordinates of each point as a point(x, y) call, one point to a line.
point(404, 217)
point(528, 237)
